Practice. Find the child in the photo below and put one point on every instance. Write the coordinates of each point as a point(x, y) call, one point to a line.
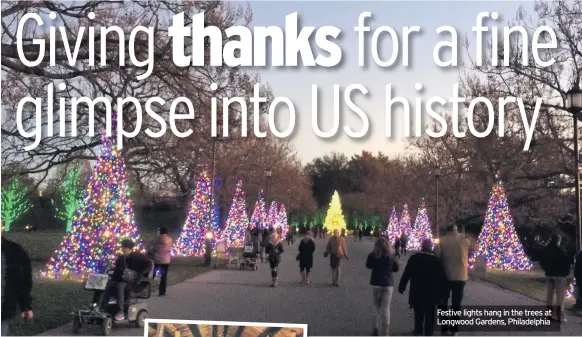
point(426, 275)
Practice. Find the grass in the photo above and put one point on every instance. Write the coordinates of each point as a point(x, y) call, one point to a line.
point(530, 283)
point(53, 300)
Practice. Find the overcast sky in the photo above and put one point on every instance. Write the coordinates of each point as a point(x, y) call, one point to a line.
point(296, 83)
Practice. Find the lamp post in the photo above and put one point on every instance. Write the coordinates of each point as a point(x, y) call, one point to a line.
point(438, 232)
point(574, 105)
point(268, 173)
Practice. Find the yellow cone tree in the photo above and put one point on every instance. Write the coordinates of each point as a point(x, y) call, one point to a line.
point(335, 217)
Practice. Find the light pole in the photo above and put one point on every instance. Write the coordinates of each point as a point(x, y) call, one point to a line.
point(574, 105)
point(268, 173)
point(438, 232)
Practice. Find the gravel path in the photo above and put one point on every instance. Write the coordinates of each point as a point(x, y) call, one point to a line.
point(234, 295)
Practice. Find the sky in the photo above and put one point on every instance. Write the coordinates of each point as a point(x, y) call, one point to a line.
point(296, 83)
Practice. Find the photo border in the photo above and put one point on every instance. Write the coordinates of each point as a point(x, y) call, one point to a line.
point(229, 323)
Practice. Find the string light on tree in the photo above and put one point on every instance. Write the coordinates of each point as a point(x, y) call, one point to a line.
point(282, 221)
point(498, 241)
point(335, 217)
point(393, 229)
point(71, 194)
point(105, 218)
point(422, 228)
point(259, 217)
point(192, 239)
point(15, 203)
point(405, 225)
point(238, 222)
point(273, 213)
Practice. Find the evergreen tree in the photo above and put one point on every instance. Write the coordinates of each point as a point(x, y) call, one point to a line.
point(405, 225)
point(70, 195)
point(238, 222)
point(105, 218)
point(15, 202)
point(422, 229)
point(272, 215)
point(200, 220)
point(335, 218)
point(282, 221)
point(393, 230)
point(259, 218)
point(498, 241)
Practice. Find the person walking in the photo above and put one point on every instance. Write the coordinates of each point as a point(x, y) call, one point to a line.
point(17, 284)
point(360, 231)
point(290, 239)
point(397, 247)
point(160, 254)
point(274, 249)
point(453, 252)
point(426, 275)
point(305, 257)
point(556, 265)
point(382, 263)
point(404, 243)
point(336, 250)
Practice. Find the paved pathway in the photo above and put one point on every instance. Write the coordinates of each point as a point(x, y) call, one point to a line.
point(234, 295)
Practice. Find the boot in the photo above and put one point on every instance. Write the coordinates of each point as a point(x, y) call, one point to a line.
point(386, 330)
point(303, 278)
point(274, 284)
point(307, 279)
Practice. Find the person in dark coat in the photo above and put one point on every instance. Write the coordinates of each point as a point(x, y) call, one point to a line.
point(556, 265)
point(17, 284)
point(274, 249)
point(404, 243)
point(305, 257)
point(382, 263)
point(426, 275)
point(117, 284)
point(397, 244)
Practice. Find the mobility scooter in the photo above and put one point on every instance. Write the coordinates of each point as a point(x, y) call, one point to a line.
point(135, 310)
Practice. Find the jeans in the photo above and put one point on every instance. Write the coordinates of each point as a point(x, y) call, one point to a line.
point(455, 290)
point(5, 326)
point(163, 268)
point(335, 263)
point(117, 290)
point(382, 299)
point(424, 319)
point(556, 285)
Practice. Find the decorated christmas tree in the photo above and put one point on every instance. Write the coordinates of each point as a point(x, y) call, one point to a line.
point(498, 241)
point(259, 218)
point(103, 220)
point(422, 229)
point(238, 222)
point(201, 218)
point(393, 230)
point(273, 214)
point(334, 218)
point(405, 225)
point(282, 221)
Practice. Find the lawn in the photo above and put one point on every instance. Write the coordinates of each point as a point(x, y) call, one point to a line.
point(53, 300)
point(530, 283)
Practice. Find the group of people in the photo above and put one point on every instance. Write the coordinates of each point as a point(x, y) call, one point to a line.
point(128, 268)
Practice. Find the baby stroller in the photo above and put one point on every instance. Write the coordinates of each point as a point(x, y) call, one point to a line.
point(250, 256)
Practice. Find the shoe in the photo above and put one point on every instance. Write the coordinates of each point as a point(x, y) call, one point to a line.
point(563, 320)
point(119, 317)
point(336, 284)
point(375, 332)
point(161, 295)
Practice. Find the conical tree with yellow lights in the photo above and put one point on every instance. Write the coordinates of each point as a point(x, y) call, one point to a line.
point(103, 220)
point(335, 217)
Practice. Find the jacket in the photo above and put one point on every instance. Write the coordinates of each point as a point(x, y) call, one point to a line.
point(160, 250)
point(382, 268)
point(306, 249)
point(135, 261)
point(17, 281)
point(454, 252)
point(555, 262)
point(274, 251)
point(427, 278)
point(337, 246)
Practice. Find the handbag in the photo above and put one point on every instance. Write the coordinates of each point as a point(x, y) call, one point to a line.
point(129, 276)
point(297, 257)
